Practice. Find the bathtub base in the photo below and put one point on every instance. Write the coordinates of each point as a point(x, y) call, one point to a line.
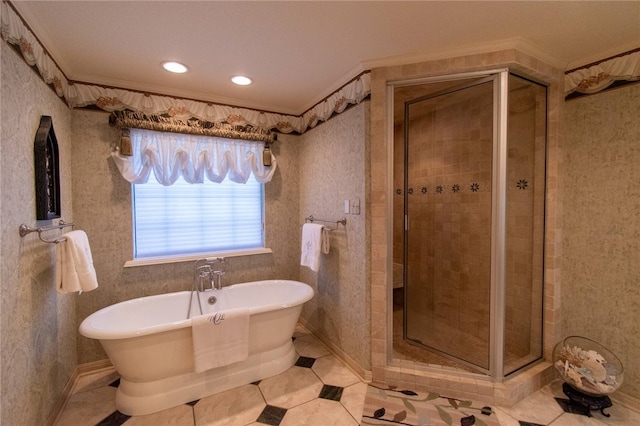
point(137, 399)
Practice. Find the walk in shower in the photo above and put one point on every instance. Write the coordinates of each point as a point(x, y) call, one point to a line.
point(468, 221)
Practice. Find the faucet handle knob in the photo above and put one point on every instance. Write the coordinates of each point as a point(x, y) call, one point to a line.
point(203, 270)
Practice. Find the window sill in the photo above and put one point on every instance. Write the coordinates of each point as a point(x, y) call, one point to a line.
point(189, 258)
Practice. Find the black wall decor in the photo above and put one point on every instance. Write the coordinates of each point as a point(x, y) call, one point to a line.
point(47, 170)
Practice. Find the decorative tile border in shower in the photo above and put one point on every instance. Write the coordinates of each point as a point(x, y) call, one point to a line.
point(522, 184)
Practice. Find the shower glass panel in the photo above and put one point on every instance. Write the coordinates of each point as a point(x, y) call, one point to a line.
point(526, 157)
point(448, 153)
point(469, 174)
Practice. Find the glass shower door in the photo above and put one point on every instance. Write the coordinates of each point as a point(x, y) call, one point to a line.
point(448, 162)
point(525, 195)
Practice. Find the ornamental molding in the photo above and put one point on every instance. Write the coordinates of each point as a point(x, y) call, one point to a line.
point(598, 76)
point(79, 94)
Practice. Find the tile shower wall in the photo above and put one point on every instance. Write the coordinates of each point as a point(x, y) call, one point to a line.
point(407, 375)
point(449, 194)
point(38, 353)
point(102, 206)
point(601, 243)
point(333, 168)
point(526, 155)
point(450, 224)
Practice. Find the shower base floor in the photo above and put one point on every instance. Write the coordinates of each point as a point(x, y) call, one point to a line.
point(406, 351)
point(402, 350)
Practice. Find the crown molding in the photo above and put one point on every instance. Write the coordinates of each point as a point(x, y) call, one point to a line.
point(518, 43)
point(183, 94)
point(603, 56)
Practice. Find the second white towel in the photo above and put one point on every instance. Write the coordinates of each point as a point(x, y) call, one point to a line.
point(311, 245)
point(220, 339)
point(74, 264)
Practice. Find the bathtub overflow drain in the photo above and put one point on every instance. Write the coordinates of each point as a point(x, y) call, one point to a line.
point(212, 300)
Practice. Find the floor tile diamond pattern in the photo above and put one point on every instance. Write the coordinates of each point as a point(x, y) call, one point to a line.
point(272, 415)
point(114, 419)
point(333, 393)
point(304, 361)
point(318, 390)
point(280, 400)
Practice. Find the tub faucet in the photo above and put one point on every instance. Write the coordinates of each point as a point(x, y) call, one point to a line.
point(203, 272)
point(219, 273)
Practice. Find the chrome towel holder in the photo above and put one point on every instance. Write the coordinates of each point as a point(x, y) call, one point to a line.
point(312, 219)
point(26, 230)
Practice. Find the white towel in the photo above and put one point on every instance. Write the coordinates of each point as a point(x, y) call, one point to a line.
point(311, 245)
point(220, 339)
point(74, 264)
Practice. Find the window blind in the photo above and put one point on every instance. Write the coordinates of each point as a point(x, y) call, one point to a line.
point(208, 217)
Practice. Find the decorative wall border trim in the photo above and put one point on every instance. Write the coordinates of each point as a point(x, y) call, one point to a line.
point(15, 32)
point(78, 94)
point(598, 76)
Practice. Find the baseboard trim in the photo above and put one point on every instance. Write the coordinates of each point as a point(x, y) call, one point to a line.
point(67, 392)
point(62, 401)
point(364, 374)
point(94, 367)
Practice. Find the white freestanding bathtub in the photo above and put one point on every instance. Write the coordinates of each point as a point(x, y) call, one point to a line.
point(149, 342)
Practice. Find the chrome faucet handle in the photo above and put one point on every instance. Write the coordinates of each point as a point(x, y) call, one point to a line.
point(203, 270)
point(219, 273)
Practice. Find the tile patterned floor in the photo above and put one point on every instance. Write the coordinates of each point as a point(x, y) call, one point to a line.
point(318, 390)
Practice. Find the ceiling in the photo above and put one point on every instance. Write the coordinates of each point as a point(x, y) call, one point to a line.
point(299, 52)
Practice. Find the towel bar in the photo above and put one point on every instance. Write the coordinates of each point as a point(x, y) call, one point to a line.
point(26, 230)
point(312, 219)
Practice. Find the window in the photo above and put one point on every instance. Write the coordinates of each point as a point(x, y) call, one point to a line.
point(193, 219)
point(194, 195)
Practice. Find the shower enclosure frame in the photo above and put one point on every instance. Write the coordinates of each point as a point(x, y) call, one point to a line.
point(500, 76)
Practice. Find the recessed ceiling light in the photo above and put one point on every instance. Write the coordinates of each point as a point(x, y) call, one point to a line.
point(176, 67)
point(241, 80)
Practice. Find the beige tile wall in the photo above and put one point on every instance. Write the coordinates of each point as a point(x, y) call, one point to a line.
point(383, 369)
point(450, 232)
point(450, 225)
point(525, 222)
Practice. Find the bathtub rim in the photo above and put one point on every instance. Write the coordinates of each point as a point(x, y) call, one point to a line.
point(87, 329)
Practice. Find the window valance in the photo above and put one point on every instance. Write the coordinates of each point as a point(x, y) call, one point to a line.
point(194, 157)
point(194, 126)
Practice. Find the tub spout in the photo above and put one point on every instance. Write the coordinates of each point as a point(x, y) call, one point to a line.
point(217, 284)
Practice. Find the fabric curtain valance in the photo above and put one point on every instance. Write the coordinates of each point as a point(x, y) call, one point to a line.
point(112, 99)
point(128, 119)
point(602, 75)
point(78, 94)
point(194, 157)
